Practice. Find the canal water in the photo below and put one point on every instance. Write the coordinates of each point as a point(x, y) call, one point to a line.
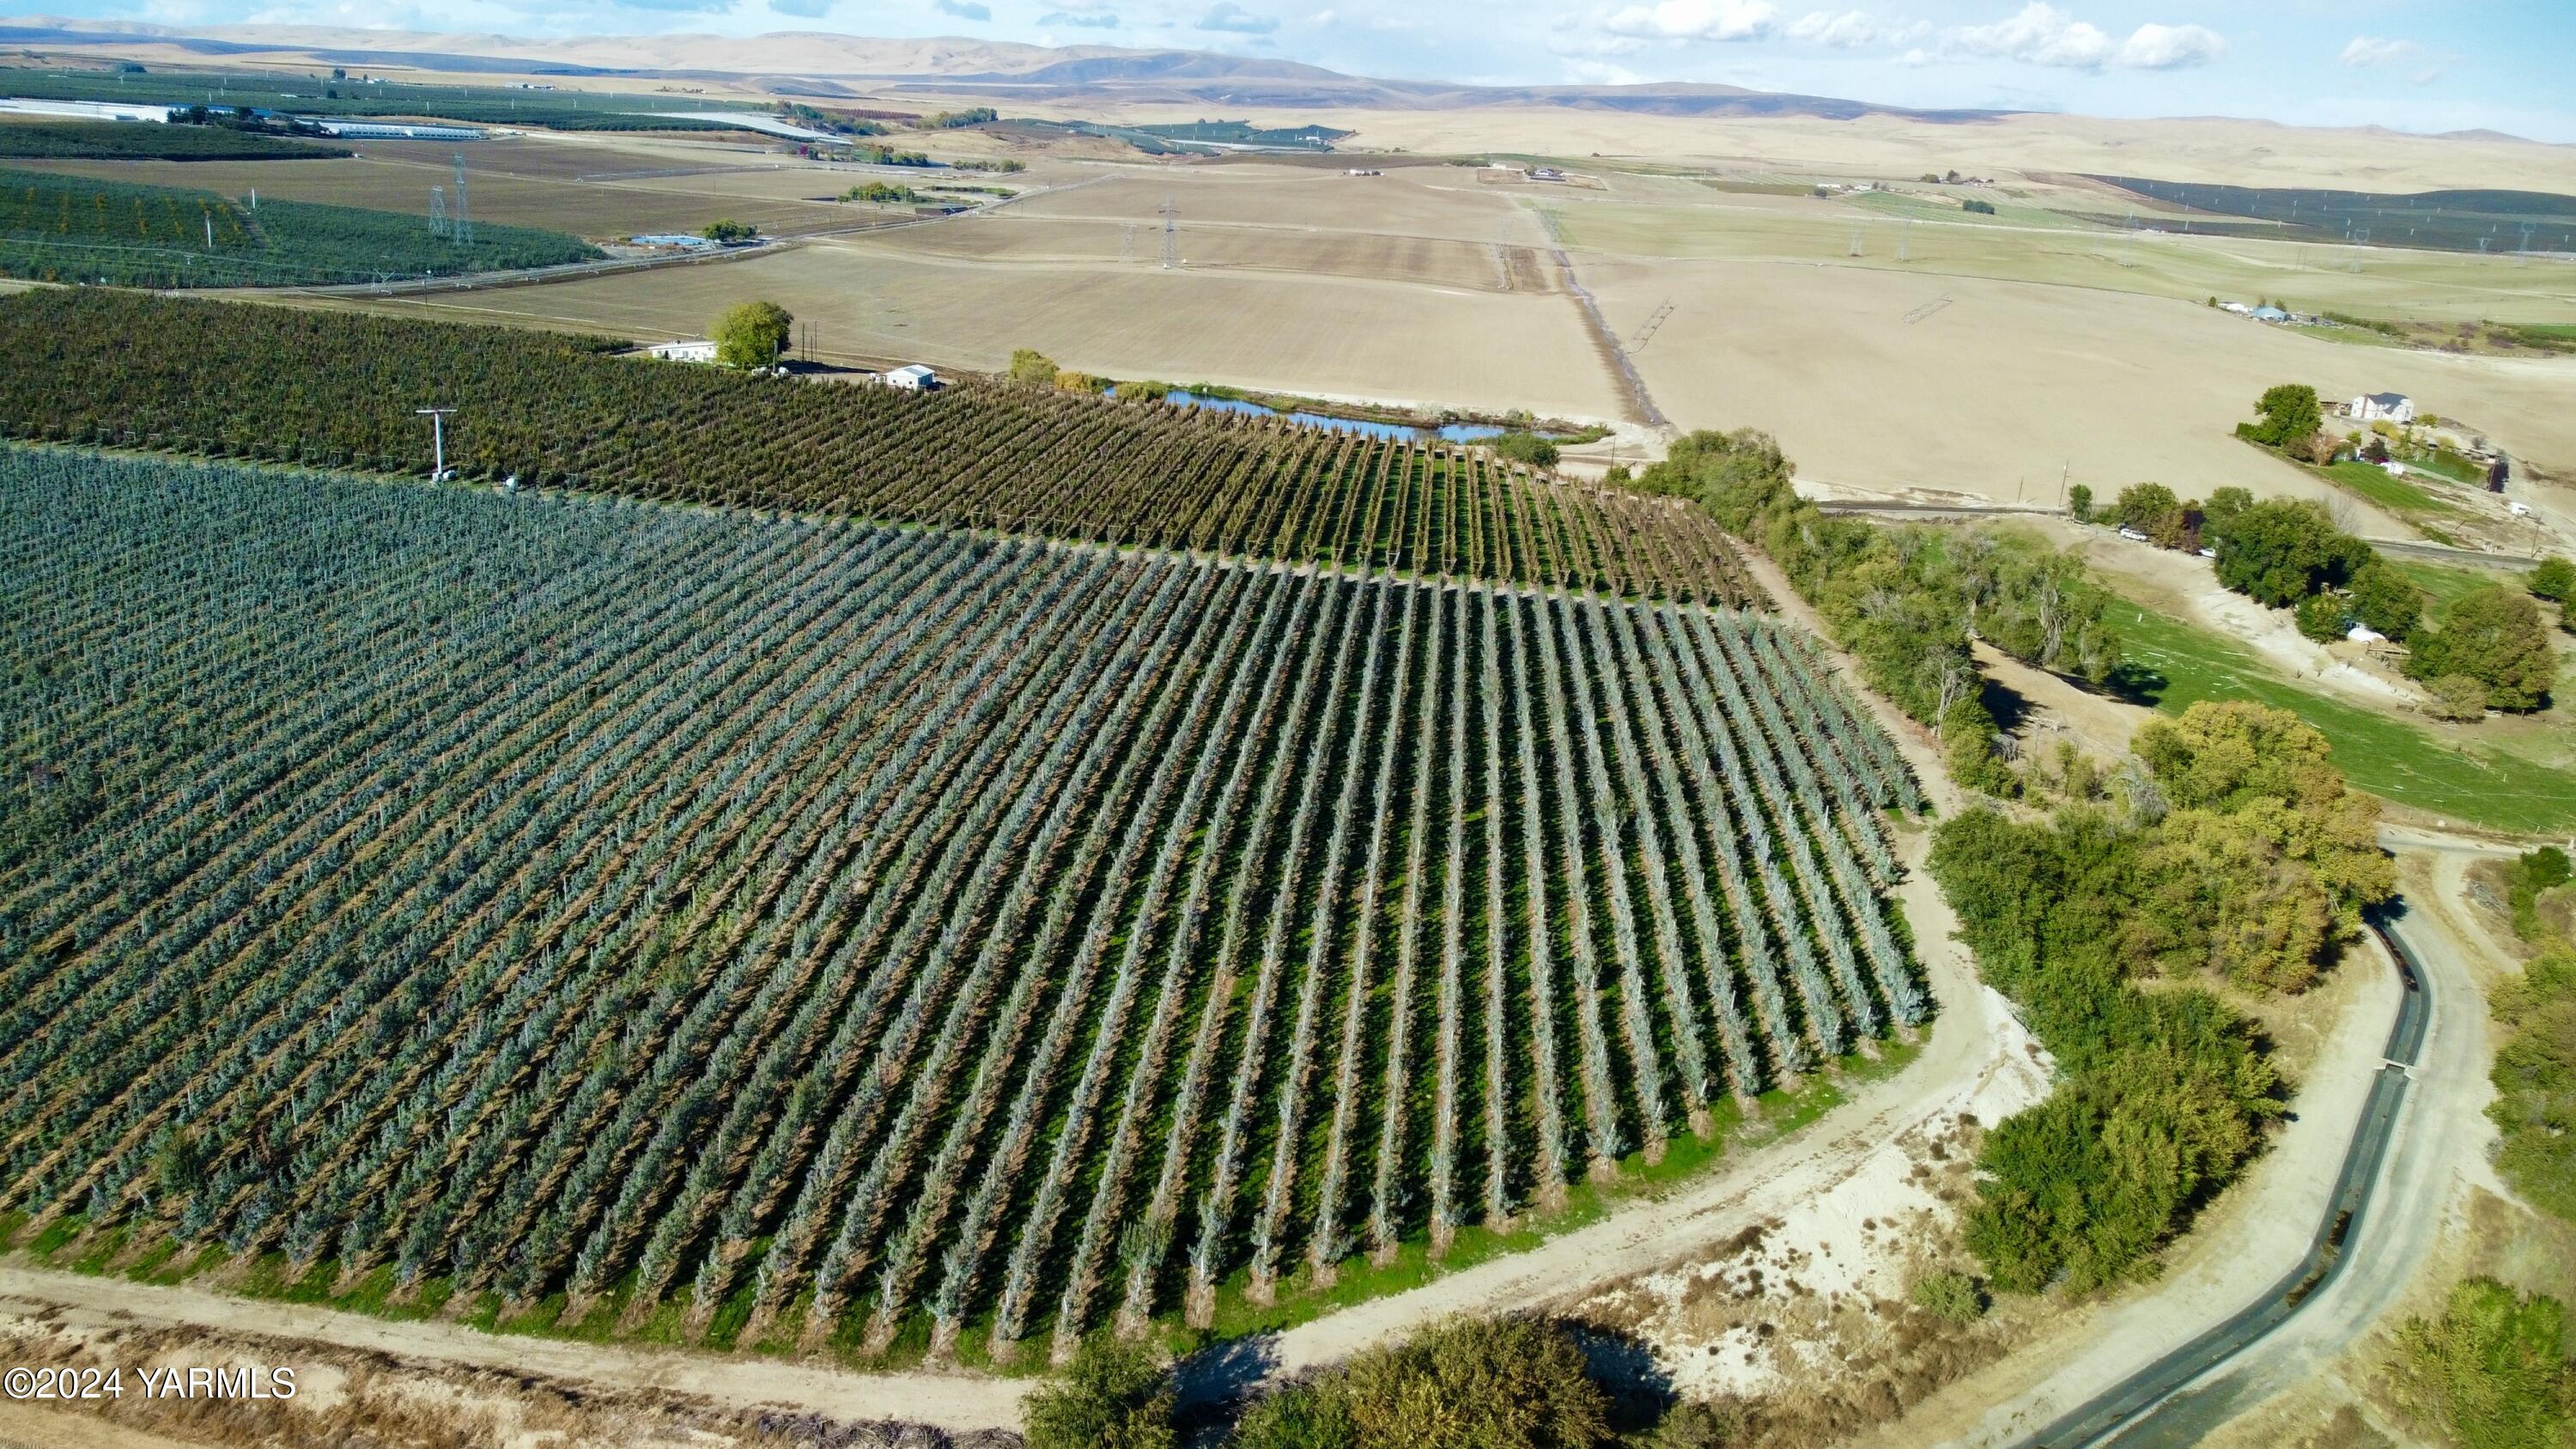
point(1399, 432)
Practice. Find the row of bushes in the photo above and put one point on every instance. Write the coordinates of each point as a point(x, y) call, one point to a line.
point(1905, 601)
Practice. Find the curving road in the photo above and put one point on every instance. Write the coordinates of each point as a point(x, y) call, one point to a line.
point(2181, 1397)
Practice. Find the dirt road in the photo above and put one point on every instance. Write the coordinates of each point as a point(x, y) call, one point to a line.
point(955, 1403)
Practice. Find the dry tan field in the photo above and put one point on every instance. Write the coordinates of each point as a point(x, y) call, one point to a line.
point(1017, 237)
point(880, 301)
point(1433, 201)
point(2381, 281)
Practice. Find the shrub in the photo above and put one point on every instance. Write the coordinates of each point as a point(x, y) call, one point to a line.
point(2490, 1370)
point(1981, 208)
point(1032, 366)
point(1110, 1397)
point(1949, 1294)
point(2535, 1081)
point(2079, 503)
point(1505, 1383)
point(2553, 580)
point(1693, 1425)
point(726, 229)
point(2324, 617)
point(1527, 448)
point(2459, 698)
point(1300, 1416)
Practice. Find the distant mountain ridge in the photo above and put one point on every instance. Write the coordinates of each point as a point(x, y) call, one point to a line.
point(822, 63)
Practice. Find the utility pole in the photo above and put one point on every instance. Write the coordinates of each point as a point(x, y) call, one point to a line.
point(1171, 234)
point(437, 440)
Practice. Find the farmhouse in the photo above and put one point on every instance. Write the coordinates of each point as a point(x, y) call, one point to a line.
point(2396, 407)
point(915, 378)
point(691, 350)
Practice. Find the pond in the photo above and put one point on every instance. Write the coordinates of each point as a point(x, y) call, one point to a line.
point(1400, 432)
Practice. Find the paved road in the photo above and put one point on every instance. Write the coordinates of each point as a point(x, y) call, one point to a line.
point(2178, 1399)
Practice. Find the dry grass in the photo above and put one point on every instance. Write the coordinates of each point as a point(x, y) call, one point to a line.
point(2010, 385)
point(883, 300)
point(1942, 241)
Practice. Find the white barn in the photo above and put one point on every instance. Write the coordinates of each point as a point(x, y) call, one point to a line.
point(2396, 407)
point(915, 378)
point(692, 350)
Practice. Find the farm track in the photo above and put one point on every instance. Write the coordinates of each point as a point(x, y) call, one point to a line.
point(872, 935)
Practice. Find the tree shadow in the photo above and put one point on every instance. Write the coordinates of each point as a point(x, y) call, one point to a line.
point(1639, 1387)
point(1224, 1372)
point(2004, 703)
point(2137, 684)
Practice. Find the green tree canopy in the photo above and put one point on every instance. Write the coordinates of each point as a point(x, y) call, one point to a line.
point(2280, 552)
point(752, 334)
point(2290, 415)
point(1034, 367)
point(726, 229)
point(2386, 600)
point(2494, 635)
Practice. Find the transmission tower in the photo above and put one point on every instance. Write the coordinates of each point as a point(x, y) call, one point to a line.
point(1904, 235)
point(1855, 241)
point(464, 221)
point(1171, 233)
point(1127, 242)
point(438, 211)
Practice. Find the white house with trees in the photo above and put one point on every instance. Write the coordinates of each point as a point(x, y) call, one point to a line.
point(2395, 407)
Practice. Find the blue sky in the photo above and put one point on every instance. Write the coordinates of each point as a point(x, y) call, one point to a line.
point(2417, 65)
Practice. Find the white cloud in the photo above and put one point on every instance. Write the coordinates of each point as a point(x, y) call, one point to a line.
point(2170, 47)
point(1694, 20)
point(2367, 50)
point(1849, 30)
point(2042, 34)
point(1230, 17)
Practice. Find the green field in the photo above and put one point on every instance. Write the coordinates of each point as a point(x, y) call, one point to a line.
point(74, 229)
point(127, 141)
point(2375, 485)
point(2388, 757)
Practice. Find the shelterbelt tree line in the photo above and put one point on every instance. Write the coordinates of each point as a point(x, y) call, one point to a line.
point(338, 390)
point(804, 930)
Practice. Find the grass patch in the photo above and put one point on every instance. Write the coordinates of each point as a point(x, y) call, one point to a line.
point(2443, 584)
point(2388, 757)
point(2375, 485)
